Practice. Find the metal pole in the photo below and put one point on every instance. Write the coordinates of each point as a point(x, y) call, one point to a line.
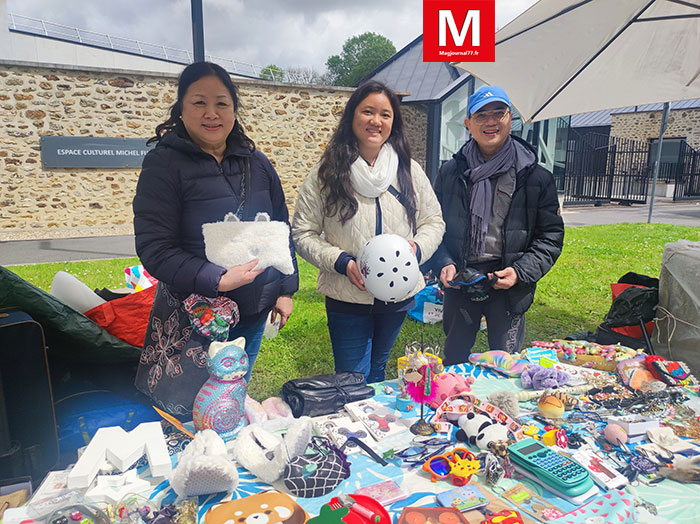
point(657, 160)
point(197, 30)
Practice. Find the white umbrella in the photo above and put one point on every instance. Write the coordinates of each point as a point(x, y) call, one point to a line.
point(563, 57)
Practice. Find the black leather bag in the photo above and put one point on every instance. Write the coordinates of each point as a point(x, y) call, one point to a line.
point(324, 394)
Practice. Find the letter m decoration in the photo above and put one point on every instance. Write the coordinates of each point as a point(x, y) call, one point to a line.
point(122, 449)
point(459, 30)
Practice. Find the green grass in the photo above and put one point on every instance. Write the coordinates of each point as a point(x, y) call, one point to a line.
point(574, 296)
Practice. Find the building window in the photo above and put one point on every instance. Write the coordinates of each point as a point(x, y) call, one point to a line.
point(670, 157)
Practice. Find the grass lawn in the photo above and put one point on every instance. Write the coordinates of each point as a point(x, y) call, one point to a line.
point(574, 296)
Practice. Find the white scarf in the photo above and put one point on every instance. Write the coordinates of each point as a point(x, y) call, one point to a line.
point(372, 181)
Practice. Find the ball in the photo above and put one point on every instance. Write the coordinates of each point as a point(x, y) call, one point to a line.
point(550, 406)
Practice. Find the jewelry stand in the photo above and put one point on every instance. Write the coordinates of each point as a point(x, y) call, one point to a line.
point(421, 426)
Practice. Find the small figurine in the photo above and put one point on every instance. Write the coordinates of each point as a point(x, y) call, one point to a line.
point(220, 403)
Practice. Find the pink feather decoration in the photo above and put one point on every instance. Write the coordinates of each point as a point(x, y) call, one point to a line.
point(421, 389)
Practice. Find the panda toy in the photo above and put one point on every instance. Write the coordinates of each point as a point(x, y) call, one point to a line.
point(480, 430)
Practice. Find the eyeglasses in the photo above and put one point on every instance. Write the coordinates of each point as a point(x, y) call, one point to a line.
point(422, 450)
point(484, 116)
point(460, 463)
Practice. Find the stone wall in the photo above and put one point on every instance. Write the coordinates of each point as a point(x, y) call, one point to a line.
point(682, 123)
point(290, 123)
point(415, 119)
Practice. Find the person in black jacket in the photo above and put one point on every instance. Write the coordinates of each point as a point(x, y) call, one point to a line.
point(503, 230)
point(203, 167)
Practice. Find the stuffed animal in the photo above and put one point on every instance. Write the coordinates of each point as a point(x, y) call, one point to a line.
point(233, 242)
point(447, 385)
point(220, 403)
point(506, 401)
point(540, 377)
point(204, 467)
point(480, 430)
point(494, 432)
point(264, 453)
point(471, 424)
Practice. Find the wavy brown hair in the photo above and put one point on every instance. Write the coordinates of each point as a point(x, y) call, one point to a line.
point(189, 76)
point(343, 150)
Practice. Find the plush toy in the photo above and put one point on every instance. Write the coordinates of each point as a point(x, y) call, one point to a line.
point(540, 377)
point(470, 425)
point(480, 430)
point(233, 242)
point(447, 385)
point(204, 467)
point(254, 412)
point(494, 432)
point(506, 401)
point(264, 453)
point(500, 361)
point(275, 407)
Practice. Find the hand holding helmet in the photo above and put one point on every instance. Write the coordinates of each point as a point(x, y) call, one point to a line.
point(389, 267)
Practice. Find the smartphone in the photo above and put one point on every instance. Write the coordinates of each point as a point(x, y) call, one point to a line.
point(465, 498)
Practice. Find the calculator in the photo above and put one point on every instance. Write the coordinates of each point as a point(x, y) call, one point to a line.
point(561, 473)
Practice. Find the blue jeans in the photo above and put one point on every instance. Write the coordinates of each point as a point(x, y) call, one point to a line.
point(363, 342)
point(252, 331)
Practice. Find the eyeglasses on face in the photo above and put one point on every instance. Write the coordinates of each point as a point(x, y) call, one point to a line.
point(484, 116)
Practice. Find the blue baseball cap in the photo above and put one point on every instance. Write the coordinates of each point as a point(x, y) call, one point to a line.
point(485, 95)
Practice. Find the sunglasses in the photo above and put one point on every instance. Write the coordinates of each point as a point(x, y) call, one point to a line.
point(459, 464)
point(422, 450)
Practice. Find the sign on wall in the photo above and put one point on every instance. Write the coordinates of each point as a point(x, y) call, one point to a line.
point(78, 151)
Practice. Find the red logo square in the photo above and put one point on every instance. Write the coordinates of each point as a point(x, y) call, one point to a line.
point(459, 30)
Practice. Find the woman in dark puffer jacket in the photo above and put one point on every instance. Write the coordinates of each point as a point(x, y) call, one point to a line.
point(203, 167)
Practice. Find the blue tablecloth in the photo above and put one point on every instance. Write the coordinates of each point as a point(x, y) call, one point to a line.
point(676, 503)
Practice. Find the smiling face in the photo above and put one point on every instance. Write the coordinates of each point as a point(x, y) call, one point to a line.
point(371, 124)
point(208, 114)
point(488, 130)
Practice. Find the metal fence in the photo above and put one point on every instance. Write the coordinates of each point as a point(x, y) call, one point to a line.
point(37, 26)
point(601, 169)
point(687, 174)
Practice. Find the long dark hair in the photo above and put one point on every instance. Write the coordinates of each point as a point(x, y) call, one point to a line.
point(343, 150)
point(189, 76)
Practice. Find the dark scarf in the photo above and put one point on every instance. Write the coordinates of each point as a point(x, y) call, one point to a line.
point(480, 171)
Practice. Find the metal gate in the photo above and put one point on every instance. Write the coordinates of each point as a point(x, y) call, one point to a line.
point(602, 169)
point(687, 176)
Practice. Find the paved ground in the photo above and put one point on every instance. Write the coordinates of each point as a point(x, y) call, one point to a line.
point(71, 249)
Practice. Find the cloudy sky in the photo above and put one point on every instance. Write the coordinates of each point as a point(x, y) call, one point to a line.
point(288, 33)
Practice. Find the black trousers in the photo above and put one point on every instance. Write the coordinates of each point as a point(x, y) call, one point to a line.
point(462, 318)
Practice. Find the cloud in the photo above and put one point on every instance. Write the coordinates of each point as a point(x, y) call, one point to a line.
point(282, 32)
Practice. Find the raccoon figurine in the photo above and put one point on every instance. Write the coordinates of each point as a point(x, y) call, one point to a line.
point(220, 403)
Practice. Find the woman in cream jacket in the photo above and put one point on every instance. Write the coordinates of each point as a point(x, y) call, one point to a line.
point(365, 184)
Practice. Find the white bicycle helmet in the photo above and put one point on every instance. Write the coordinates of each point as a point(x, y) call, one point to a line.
point(389, 267)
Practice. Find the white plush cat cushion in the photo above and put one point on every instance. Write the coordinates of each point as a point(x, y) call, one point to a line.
point(264, 453)
point(234, 242)
point(204, 467)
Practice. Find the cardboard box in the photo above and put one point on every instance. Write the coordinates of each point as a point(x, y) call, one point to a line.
point(635, 424)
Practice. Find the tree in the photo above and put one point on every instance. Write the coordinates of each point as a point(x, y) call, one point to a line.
point(304, 75)
point(361, 54)
point(272, 72)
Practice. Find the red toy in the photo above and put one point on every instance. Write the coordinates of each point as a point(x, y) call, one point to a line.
point(506, 516)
